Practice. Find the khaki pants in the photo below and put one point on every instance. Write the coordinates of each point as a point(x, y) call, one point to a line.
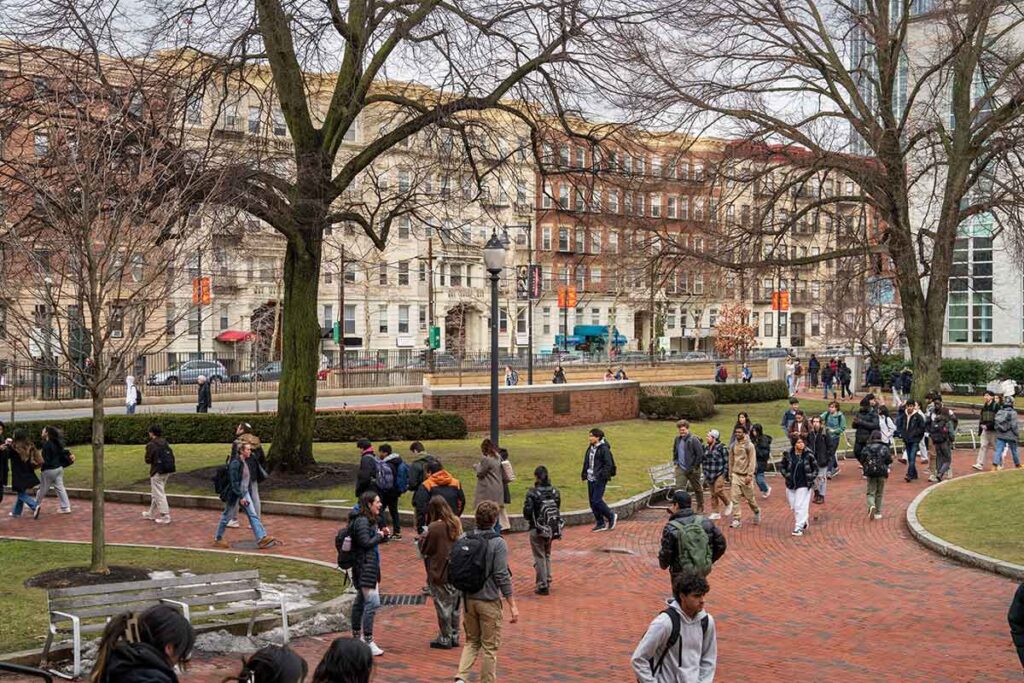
point(482, 622)
point(691, 479)
point(988, 443)
point(158, 499)
point(718, 494)
point(741, 489)
point(541, 549)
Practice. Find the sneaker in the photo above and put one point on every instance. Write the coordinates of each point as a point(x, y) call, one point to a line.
point(11, 514)
point(542, 591)
point(220, 543)
point(932, 478)
point(599, 527)
point(439, 644)
point(714, 515)
point(374, 648)
point(767, 493)
point(397, 536)
point(878, 516)
point(924, 459)
point(37, 511)
point(233, 524)
point(163, 520)
point(728, 510)
point(903, 459)
point(266, 542)
point(872, 512)
point(735, 524)
point(978, 467)
point(996, 468)
point(147, 515)
point(64, 511)
point(798, 532)
point(615, 519)
point(757, 517)
point(1020, 467)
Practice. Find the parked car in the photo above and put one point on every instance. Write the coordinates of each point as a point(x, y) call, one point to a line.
point(267, 372)
point(757, 354)
point(188, 373)
point(696, 355)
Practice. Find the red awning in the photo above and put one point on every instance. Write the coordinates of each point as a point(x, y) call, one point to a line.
point(232, 336)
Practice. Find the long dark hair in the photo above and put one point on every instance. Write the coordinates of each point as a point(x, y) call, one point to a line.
point(438, 509)
point(542, 476)
point(487, 447)
point(272, 664)
point(366, 504)
point(746, 422)
point(158, 627)
point(347, 660)
point(54, 435)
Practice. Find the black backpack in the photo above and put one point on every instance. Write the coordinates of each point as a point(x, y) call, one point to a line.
point(874, 461)
point(467, 561)
point(677, 624)
point(346, 553)
point(546, 516)
point(138, 396)
point(612, 469)
point(221, 481)
point(165, 460)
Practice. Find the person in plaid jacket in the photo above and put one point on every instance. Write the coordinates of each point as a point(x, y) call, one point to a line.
point(716, 473)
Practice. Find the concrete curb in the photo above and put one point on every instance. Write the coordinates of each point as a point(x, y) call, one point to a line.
point(624, 508)
point(264, 623)
point(952, 551)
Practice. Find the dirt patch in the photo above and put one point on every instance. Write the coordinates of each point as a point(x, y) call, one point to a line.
point(319, 476)
point(72, 577)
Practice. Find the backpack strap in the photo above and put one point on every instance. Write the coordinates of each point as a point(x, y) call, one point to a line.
point(672, 639)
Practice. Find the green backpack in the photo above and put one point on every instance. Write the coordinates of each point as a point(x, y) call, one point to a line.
point(693, 548)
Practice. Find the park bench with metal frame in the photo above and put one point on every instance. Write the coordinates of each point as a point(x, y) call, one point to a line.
point(663, 479)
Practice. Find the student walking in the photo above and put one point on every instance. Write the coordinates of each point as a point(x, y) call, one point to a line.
point(257, 468)
point(443, 529)
point(598, 469)
point(131, 395)
point(418, 467)
point(845, 377)
point(366, 573)
point(799, 468)
point(742, 462)
point(160, 459)
point(55, 458)
point(146, 649)
point(818, 443)
point(688, 455)
point(716, 472)
point(439, 482)
point(763, 452)
point(865, 422)
point(1007, 430)
point(483, 612)
point(399, 482)
point(835, 424)
point(559, 376)
point(942, 431)
point(877, 456)
point(237, 493)
point(542, 510)
point(813, 367)
point(682, 548)
point(347, 659)
point(24, 459)
point(366, 478)
point(204, 396)
point(987, 430)
point(489, 479)
point(511, 376)
point(789, 417)
point(680, 645)
point(913, 433)
point(828, 377)
point(799, 427)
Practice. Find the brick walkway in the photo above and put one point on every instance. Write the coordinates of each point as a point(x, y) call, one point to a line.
point(852, 600)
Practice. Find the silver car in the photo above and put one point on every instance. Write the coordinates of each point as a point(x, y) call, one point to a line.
point(189, 371)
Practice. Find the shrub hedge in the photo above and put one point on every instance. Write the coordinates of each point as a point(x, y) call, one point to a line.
point(690, 402)
point(1012, 368)
point(219, 428)
point(755, 392)
point(965, 371)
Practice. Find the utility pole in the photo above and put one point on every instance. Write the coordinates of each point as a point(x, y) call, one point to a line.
point(529, 300)
point(341, 314)
point(199, 304)
point(430, 295)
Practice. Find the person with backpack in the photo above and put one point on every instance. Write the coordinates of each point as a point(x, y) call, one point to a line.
point(435, 545)
point(742, 463)
point(146, 648)
point(799, 468)
point(865, 421)
point(828, 376)
point(688, 456)
point(716, 471)
point(478, 567)
point(418, 467)
point(680, 645)
point(942, 431)
point(913, 433)
point(366, 478)
point(598, 470)
point(1007, 431)
point(763, 453)
point(845, 377)
point(746, 374)
point(987, 429)
point(236, 493)
point(347, 660)
point(818, 443)
point(877, 456)
point(55, 458)
point(798, 376)
point(392, 482)
point(789, 417)
point(721, 373)
point(834, 422)
point(24, 458)
point(542, 510)
point(438, 483)
point(358, 550)
point(511, 376)
point(489, 482)
point(689, 542)
point(160, 459)
point(813, 367)
point(131, 395)
point(256, 464)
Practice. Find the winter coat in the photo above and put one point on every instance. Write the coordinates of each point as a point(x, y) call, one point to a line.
point(798, 470)
point(534, 497)
point(827, 374)
point(130, 395)
point(418, 472)
point(667, 553)
point(877, 449)
point(692, 451)
point(52, 452)
point(835, 424)
point(742, 459)
point(798, 429)
point(914, 431)
point(153, 450)
point(844, 373)
point(205, 396)
point(366, 478)
point(257, 462)
point(394, 461)
point(873, 377)
point(1009, 418)
point(435, 546)
point(24, 459)
point(138, 663)
point(788, 418)
point(488, 481)
point(865, 421)
point(763, 452)
point(987, 418)
point(365, 539)
point(716, 462)
point(602, 462)
point(813, 365)
point(440, 483)
point(692, 659)
point(818, 443)
point(234, 492)
point(940, 418)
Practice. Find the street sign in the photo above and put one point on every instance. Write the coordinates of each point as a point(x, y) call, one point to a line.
point(535, 282)
point(336, 332)
point(434, 340)
point(201, 290)
point(566, 296)
point(780, 300)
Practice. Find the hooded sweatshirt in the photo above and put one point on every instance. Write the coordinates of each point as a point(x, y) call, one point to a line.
point(130, 397)
point(138, 663)
point(443, 484)
point(692, 659)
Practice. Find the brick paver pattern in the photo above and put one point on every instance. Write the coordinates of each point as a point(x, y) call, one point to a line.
point(852, 600)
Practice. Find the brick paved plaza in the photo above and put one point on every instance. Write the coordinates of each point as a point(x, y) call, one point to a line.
point(852, 600)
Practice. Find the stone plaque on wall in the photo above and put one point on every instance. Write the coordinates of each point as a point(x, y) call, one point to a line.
point(561, 404)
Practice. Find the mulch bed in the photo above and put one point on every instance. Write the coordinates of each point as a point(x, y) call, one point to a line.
point(319, 476)
point(72, 577)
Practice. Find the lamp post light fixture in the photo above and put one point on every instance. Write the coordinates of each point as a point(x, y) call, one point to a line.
point(494, 260)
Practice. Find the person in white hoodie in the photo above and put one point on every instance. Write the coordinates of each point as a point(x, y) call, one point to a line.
point(131, 395)
point(680, 645)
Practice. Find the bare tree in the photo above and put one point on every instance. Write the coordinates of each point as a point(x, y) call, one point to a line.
point(909, 108)
point(98, 202)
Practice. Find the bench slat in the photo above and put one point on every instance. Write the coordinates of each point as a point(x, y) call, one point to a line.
point(221, 599)
point(131, 586)
point(73, 604)
point(142, 603)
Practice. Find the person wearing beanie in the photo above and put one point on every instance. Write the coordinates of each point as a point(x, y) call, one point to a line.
point(1007, 431)
point(876, 458)
point(681, 551)
point(716, 472)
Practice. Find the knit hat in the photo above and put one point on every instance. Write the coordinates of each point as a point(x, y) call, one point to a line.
point(714, 434)
point(681, 498)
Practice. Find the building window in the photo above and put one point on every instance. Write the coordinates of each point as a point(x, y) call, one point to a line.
point(613, 201)
point(563, 239)
point(670, 319)
point(193, 321)
point(382, 273)
point(670, 207)
point(783, 322)
point(640, 204)
point(350, 272)
point(545, 196)
point(655, 206)
point(613, 242)
point(194, 109)
point(455, 273)
point(254, 120)
point(503, 321)
point(423, 317)
point(403, 319)
point(279, 124)
point(581, 279)
point(545, 239)
point(404, 227)
point(769, 324)
point(40, 144)
point(521, 321)
point(595, 316)
point(350, 319)
point(546, 320)
point(170, 320)
point(403, 273)
point(382, 318)
point(684, 170)
point(581, 237)
point(595, 274)
point(563, 195)
point(224, 317)
point(580, 157)
point(815, 324)
point(684, 208)
point(595, 241)
point(328, 316)
point(969, 315)
point(563, 155)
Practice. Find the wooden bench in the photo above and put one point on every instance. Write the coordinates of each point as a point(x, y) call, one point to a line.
point(663, 478)
point(88, 608)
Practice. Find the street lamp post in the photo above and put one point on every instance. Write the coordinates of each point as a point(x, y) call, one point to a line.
point(494, 260)
point(48, 383)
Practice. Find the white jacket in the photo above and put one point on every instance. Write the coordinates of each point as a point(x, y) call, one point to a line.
point(888, 429)
point(691, 660)
point(130, 396)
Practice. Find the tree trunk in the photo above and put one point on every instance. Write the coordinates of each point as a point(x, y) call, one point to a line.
point(925, 340)
point(292, 447)
point(98, 564)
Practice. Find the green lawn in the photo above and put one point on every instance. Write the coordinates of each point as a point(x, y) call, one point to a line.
point(637, 444)
point(24, 620)
point(980, 513)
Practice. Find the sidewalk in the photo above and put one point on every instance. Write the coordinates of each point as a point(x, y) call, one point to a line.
point(864, 600)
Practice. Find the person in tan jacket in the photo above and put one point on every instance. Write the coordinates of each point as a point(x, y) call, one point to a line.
point(742, 463)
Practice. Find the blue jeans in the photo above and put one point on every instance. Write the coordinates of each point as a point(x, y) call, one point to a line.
point(129, 409)
point(833, 445)
point(364, 609)
point(997, 459)
point(602, 513)
point(23, 500)
point(828, 386)
point(761, 483)
point(254, 519)
point(911, 453)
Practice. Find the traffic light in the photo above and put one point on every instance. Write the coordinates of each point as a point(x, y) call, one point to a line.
point(435, 337)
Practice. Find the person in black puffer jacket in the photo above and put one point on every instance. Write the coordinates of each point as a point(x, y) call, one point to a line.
point(865, 422)
point(683, 512)
point(818, 443)
point(763, 451)
point(164, 639)
point(366, 536)
point(799, 468)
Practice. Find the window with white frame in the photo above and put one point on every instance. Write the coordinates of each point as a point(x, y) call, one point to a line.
point(684, 208)
point(382, 318)
point(545, 238)
point(655, 206)
point(671, 207)
point(613, 242)
point(613, 201)
point(403, 273)
point(403, 319)
point(595, 241)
